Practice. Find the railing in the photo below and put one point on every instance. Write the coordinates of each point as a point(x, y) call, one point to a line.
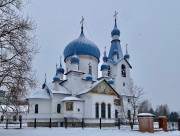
point(61, 122)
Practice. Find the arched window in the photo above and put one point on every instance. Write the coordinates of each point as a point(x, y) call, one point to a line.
point(97, 110)
point(109, 71)
point(129, 114)
point(109, 110)
point(103, 110)
point(36, 108)
point(123, 71)
point(59, 108)
point(90, 70)
point(116, 113)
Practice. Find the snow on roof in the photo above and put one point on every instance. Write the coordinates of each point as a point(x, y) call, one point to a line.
point(91, 87)
point(72, 98)
point(61, 89)
point(40, 93)
point(145, 115)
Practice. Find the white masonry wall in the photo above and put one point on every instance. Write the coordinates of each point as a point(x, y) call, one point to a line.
point(44, 107)
point(84, 61)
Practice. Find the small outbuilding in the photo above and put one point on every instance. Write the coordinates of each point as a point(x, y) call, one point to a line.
point(146, 122)
point(163, 123)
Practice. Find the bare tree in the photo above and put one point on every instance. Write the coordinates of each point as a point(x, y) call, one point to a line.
point(144, 106)
point(162, 110)
point(17, 48)
point(133, 96)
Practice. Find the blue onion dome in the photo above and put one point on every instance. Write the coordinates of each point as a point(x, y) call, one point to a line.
point(115, 31)
point(111, 81)
point(82, 46)
point(126, 56)
point(60, 69)
point(56, 79)
point(89, 77)
point(115, 52)
point(104, 66)
point(74, 59)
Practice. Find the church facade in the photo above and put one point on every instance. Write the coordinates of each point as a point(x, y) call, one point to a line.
point(76, 90)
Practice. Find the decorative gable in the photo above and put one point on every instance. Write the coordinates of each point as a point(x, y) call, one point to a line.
point(103, 88)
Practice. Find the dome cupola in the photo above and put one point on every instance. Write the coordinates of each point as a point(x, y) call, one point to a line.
point(115, 31)
point(56, 79)
point(111, 81)
point(75, 59)
point(89, 77)
point(60, 69)
point(126, 56)
point(104, 66)
point(82, 46)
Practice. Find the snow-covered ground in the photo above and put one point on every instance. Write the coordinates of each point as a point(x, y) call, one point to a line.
point(79, 132)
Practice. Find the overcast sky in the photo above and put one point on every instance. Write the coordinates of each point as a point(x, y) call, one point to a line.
point(151, 28)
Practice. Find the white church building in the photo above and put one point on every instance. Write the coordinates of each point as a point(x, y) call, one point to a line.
point(76, 90)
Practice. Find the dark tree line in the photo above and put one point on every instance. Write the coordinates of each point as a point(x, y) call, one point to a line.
point(17, 48)
point(161, 110)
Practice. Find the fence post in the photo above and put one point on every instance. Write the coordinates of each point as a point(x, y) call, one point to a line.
point(6, 123)
point(100, 123)
point(20, 122)
point(65, 122)
point(119, 123)
point(50, 123)
point(82, 123)
point(35, 123)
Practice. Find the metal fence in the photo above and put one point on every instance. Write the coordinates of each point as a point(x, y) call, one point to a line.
point(75, 122)
point(61, 122)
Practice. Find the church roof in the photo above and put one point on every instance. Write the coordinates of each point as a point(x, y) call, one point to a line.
point(40, 94)
point(115, 45)
point(61, 89)
point(72, 98)
point(74, 72)
point(82, 46)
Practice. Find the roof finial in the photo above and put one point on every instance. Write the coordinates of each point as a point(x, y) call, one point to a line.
point(115, 15)
point(126, 49)
point(45, 78)
point(115, 18)
point(82, 22)
point(60, 61)
point(105, 57)
point(56, 69)
point(105, 51)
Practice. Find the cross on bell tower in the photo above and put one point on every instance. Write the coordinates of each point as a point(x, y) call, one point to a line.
point(115, 15)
